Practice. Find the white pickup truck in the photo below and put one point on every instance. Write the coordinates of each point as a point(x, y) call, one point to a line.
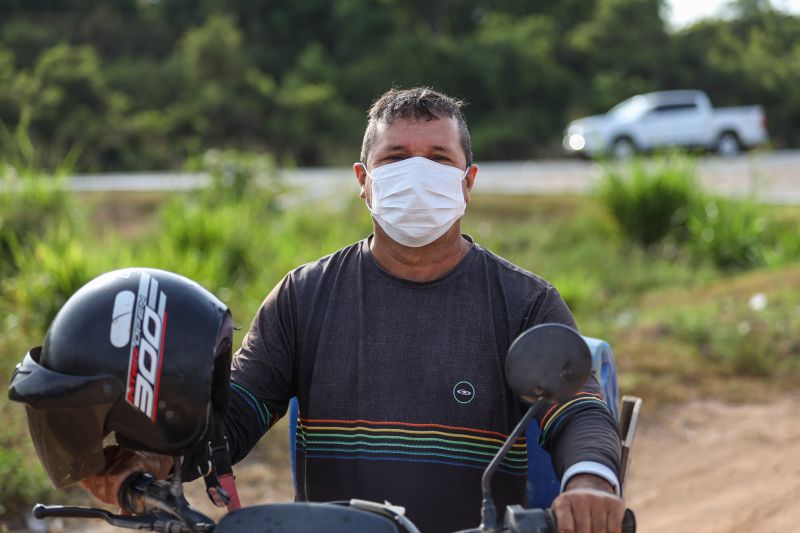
point(670, 118)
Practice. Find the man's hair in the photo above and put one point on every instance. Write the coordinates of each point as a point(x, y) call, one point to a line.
point(417, 103)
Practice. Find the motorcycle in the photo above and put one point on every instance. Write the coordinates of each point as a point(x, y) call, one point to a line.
point(547, 363)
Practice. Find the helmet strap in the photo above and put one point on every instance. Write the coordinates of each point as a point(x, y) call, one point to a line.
point(219, 480)
point(220, 484)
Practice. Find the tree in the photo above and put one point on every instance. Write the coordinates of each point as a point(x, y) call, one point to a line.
point(623, 50)
point(222, 100)
point(65, 103)
point(751, 59)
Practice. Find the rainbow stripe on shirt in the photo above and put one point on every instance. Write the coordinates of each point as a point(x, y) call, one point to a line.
point(558, 412)
point(370, 440)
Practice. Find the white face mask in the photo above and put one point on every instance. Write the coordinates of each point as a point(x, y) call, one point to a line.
point(417, 200)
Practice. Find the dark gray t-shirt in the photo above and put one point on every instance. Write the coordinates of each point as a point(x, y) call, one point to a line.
point(400, 384)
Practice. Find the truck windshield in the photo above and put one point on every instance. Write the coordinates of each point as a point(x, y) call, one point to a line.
point(630, 108)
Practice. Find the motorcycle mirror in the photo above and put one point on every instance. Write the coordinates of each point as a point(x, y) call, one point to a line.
point(550, 361)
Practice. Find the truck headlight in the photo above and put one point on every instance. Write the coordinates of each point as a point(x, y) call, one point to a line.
point(576, 142)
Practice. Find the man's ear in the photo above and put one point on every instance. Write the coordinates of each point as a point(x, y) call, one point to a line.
point(469, 181)
point(361, 176)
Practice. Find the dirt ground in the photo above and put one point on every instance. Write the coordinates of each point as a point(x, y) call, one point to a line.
point(716, 468)
point(708, 467)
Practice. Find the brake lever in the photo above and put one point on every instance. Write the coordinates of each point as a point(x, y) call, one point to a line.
point(143, 494)
point(40, 512)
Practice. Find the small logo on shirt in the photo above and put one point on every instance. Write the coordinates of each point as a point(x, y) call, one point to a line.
point(463, 392)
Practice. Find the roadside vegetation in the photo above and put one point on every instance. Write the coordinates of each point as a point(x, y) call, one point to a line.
point(698, 296)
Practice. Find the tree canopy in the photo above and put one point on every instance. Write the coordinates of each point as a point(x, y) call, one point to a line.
point(146, 84)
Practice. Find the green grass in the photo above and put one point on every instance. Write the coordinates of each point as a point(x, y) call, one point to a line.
point(746, 325)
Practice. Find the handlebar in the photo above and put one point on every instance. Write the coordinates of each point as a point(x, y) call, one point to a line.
point(160, 506)
point(519, 520)
point(628, 521)
point(157, 506)
point(141, 523)
point(41, 512)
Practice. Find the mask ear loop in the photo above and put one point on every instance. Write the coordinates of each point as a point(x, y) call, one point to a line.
point(371, 194)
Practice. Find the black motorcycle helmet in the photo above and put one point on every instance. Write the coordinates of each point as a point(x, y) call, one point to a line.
point(142, 353)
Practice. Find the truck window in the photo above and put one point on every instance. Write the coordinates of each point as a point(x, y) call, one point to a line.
point(669, 108)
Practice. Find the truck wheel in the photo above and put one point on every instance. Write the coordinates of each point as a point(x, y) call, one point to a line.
point(623, 148)
point(728, 144)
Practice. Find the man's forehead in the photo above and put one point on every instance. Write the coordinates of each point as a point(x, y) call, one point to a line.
point(442, 131)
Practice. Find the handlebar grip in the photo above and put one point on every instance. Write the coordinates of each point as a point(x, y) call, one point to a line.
point(629, 522)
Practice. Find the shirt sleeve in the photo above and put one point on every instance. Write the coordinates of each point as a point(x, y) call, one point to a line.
point(261, 379)
point(580, 434)
point(262, 371)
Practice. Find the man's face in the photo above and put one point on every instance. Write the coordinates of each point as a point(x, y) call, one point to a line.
point(437, 140)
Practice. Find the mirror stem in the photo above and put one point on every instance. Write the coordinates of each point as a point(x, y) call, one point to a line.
point(489, 519)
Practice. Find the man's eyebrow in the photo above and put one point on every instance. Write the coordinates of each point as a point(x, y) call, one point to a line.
point(403, 148)
point(438, 148)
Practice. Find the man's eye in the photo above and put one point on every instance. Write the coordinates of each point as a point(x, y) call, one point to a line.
point(440, 158)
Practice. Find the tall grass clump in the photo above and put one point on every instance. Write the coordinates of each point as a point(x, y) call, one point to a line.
point(732, 234)
point(32, 198)
point(237, 176)
point(51, 270)
point(786, 246)
point(210, 244)
point(739, 234)
point(650, 200)
point(214, 235)
point(31, 203)
point(24, 480)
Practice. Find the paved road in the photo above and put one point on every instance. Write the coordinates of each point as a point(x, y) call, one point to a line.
point(773, 178)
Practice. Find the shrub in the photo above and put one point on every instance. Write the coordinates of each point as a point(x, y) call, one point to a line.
point(650, 200)
point(30, 205)
point(218, 236)
point(732, 234)
point(239, 175)
point(51, 269)
point(24, 480)
point(577, 289)
point(211, 244)
point(785, 245)
point(753, 338)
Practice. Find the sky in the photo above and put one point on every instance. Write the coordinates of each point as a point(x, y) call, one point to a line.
point(687, 11)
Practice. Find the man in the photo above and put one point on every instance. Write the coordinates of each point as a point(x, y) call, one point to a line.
point(394, 347)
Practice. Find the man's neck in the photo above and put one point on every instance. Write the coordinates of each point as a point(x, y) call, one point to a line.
point(426, 263)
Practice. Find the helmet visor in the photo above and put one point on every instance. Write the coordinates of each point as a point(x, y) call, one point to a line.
point(66, 417)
